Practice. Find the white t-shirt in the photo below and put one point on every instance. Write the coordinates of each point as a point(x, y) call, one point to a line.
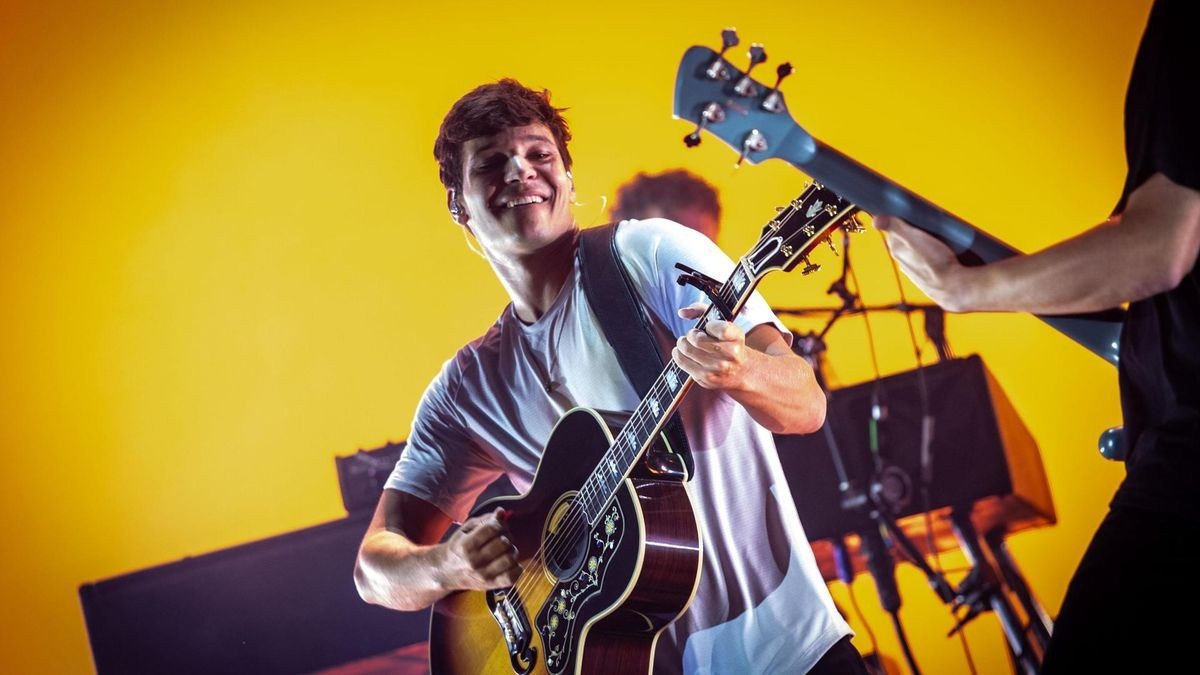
point(762, 605)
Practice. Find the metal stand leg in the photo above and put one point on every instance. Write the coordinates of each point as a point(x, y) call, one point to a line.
point(989, 588)
point(1039, 620)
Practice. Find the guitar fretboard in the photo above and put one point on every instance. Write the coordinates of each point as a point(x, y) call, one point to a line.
point(652, 413)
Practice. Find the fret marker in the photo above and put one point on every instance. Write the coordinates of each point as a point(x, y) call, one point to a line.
point(672, 380)
point(739, 280)
point(612, 466)
point(654, 405)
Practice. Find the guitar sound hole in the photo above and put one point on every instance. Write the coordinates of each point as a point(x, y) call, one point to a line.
point(566, 543)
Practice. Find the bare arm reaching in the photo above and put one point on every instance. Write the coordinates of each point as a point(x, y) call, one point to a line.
point(1145, 251)
point(401, 565)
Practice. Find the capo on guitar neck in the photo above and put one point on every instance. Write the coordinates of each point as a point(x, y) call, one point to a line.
point(709, 286)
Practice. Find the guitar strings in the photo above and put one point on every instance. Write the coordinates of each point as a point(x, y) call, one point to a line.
point(567, 536)
point(588, 499)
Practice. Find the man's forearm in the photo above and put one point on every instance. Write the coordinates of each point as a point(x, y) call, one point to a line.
point(780, 392)
point(1097, 270)
point(1147, 251)
point(397, 573)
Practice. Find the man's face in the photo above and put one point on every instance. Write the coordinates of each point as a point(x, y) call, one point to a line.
point(516, 193)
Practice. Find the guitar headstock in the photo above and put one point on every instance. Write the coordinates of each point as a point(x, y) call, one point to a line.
point(753, 118)
point(745, 113)
point(799, 227)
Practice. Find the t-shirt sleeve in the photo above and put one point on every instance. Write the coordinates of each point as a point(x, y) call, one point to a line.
point(650, 248)
point(440, 462)
point(1161, 132)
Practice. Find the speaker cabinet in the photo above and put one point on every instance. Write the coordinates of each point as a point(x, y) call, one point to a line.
point(281, 605)
point(983, 457)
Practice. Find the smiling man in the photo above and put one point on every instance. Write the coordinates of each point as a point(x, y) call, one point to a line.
point(760, 605)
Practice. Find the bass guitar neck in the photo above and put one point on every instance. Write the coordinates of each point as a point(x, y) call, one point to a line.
point(754, 119)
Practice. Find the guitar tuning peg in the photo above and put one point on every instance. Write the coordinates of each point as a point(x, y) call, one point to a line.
point(809, 267)
point(774, 100)
point(755, 142)
point(713, 112)
point(729, 38)
point(717, 69)
point(852, 225)
point(832, 246)
point(745, 86)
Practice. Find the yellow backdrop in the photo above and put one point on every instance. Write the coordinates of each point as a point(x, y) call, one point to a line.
point(226, 256)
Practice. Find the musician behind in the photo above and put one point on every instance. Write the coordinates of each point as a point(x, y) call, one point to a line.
point(675, 194)
point(760, 604)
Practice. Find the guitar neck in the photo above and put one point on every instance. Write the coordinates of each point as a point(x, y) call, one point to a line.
point(652, 413)
point(1099, 332)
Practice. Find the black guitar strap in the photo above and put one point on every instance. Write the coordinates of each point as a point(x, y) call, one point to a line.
point(614, 300)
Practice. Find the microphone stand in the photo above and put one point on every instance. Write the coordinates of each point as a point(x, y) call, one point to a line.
point(880, 562)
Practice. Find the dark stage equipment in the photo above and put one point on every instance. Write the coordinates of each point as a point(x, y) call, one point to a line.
point(286, 604)
point(983, 457)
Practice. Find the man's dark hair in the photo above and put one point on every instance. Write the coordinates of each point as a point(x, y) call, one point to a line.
point(667, 192)
point(489, 109)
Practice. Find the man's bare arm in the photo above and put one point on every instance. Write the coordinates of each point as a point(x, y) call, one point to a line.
point(401, 565)
point(1148, 250)
point(758, 370)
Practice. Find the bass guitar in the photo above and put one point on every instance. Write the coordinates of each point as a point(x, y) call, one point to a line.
point(754, 119)
point(608, 540)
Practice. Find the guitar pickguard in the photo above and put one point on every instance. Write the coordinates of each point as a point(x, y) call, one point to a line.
point(558, 620)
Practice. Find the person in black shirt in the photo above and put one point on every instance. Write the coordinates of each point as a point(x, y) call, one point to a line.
point(1138, 569)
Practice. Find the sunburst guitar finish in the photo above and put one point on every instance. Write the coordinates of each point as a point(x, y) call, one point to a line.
point(593, 597)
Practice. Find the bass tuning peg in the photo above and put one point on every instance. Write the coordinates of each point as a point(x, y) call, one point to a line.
point(717, 70)
point(745, 86)
point(755, 142)
point(774, 100)
point(713, 112)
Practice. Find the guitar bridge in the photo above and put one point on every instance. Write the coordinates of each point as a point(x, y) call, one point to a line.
point(509, 613)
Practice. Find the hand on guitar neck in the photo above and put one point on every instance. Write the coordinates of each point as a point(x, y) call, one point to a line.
point(1146, 250)
point(759, 370)
point(930, 264)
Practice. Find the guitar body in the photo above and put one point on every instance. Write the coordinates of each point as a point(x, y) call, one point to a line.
point(592, 598)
